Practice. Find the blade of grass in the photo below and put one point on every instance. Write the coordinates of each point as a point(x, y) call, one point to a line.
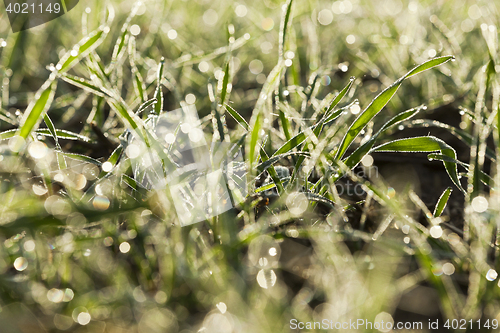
point(158, 108)
point(425, 144)
point(82, 49)
point(239, 119)
point(37, 107)
point(380, 102)
point(441, 204)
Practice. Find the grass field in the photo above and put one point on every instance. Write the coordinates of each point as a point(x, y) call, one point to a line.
point(358, 142)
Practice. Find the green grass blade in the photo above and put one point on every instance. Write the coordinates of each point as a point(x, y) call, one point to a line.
point(284, 26)
point(83, 84)
point(82, 49)
point(225, 82)
point(38, 106)
point(113, 159)
point(52, 129)
point(8, 134)
point(145, 105)
point(63, 134)
point(428, 65)
point(139, 85)
point(254, 138)
point(275, 158)
point(82, 158)
point(285, 123)
point(339, 97)
point(159, 93)
point(441, 204)
point(270, 169)
point(320, 199)
point(362, 150)
point(239, 119)
point(460, 134)
point(119, 48)
point(425, 144)
point(380, 102)
point(292, 143)
point(484, 177)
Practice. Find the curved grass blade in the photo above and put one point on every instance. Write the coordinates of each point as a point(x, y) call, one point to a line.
point(361, 151)
point(139, 85)
point(239, 119)
point(62, 134)
point(254, 137)
point(83, 84)
point(320, 199)
point(284, 26)
point(145, 105)
point(292, 143)
point(159, 93)
point(38, 106)
point(483, 177)
point(380, 102)
point(82, 158)
point(441, 204)
point(82, 49)
point(7, 134)
point(225, 82)
point(425, 144)
point(339, 97)
point(52, 129)
point(275, 158)
point(460, 134)
point(272, 172)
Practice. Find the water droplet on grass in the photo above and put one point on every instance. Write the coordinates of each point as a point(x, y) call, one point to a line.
point(21, 264)
point(491, 275)
point(266, 278)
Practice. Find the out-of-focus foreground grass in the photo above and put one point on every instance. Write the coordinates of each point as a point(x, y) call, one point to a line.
point(86, 248)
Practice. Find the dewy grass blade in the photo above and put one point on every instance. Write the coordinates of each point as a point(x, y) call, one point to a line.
point(292, 143)
point(460, 134)
point(113, 159)
point(441, 204)
point(82, 158)
point(52, 129)
point(275, 158)
point(425, 144)
point(83, 84)
point(8, 134)
point(284, 26)
point(145, 105)
point(243, 123)
point(379, 102)
point(82, 49)
point(63, 134)
point(254, 138)
point(139, 85)
point(158, 108)
point(225, 82)
point(339, 96)
point(362, 150)
point(38, 106)
point(119, 48)
point(485, 178)
point(285, 123)
point(272, 172)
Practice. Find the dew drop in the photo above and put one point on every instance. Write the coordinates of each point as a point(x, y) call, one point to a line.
point(266, 278)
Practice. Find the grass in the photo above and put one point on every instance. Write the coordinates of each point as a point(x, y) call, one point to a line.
point(308, 92)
